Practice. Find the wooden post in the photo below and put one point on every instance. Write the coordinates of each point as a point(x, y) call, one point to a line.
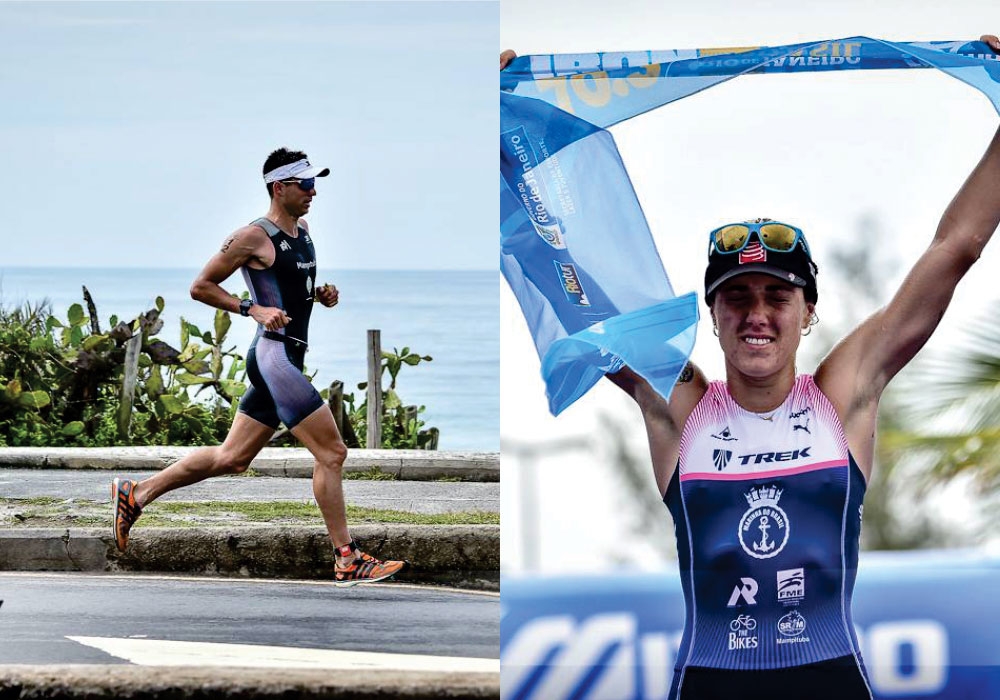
point(336, 402)
point(95, 324)
point(433, 435)
point(374, 438)
point(132, 348)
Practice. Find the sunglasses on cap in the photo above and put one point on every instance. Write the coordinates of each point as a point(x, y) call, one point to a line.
point(304, 185)
point(773, 235)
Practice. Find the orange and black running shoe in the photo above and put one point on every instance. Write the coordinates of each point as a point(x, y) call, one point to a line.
point(126, 510)
point(365, 568)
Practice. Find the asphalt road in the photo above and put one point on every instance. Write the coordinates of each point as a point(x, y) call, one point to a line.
point(410, 496)
point(40, 611)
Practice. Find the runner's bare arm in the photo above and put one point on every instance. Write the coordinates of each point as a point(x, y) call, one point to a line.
point(248, 245)
point(239, 248)
point(664, 420)
point(506, 57)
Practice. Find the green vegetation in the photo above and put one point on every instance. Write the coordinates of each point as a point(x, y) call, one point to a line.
point(42, 512)
point(401, 426)
point(61, 383)
point(372, 474)
point(285, 511)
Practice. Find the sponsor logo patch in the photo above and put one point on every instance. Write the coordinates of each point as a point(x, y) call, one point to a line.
point(741, 634)
point(721, 458)
point(771, 457)
point(791, 584)
point(746, 591)
point(726, 435)
point(791, 627)
point(764, 527)
point(800, 419)
point(753, 253)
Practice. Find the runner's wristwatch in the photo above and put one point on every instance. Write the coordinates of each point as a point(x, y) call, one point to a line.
point(245, 305)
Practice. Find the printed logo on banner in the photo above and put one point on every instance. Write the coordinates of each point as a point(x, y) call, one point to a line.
point(571, 283)
point(741, 633)
point(548, 656)
point(791, 584)
point(551, 234)
point(764, 527)
point(531, 189)
point(746, 591)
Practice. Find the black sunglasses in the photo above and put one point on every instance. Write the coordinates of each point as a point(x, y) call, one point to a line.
point(304, 185)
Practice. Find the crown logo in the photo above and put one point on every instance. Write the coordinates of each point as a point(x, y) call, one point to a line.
point(763, 494)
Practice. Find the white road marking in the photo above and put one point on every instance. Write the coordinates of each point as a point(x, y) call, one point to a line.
point(157, 652)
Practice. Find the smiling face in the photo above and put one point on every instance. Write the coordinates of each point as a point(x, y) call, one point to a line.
point(760, 320)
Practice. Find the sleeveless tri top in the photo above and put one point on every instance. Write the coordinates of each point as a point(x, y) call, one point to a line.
point(290, 281)
point(767, 513)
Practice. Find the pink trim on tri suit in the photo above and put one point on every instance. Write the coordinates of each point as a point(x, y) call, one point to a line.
point(766, 475)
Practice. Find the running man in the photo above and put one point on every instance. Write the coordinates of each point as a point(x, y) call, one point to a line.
point(276, 256)
point(764, 473)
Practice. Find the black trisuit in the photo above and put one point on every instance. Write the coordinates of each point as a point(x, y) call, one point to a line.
point(279, 391)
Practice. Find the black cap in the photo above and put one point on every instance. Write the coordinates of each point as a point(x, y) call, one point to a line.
point(795, 266)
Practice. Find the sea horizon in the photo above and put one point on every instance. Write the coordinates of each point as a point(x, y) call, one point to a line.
point(451, 315)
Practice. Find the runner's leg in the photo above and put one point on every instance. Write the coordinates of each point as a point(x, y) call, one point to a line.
point(246, 438)
point(318, 432)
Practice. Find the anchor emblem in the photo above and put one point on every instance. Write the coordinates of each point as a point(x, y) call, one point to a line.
point(766, 517)
point(764, 545)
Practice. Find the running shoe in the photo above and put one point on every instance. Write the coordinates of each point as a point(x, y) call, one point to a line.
point(365, 569)
point(126, 510)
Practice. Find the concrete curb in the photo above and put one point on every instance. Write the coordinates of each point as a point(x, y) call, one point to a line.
point(177, 683)
point(457, 555)
point(407, 465)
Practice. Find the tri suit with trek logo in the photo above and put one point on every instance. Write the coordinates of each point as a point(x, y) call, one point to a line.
point(767, 513)
point(279, 392)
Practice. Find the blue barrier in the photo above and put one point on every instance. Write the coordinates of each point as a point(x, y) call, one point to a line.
point(928, 623)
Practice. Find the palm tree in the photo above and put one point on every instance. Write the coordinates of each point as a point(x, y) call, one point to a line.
point(960, 405)
point(856, 275)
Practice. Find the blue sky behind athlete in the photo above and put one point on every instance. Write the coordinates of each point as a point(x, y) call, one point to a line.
point(128, 127)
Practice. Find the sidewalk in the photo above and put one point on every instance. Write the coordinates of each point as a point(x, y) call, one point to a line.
point(409, 465)
point(55, 516)
point(409, 496)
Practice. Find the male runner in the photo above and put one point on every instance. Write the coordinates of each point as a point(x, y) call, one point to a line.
point(276, 256)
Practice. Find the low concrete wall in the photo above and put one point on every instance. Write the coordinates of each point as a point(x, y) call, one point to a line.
point(457, 555)
point(81, 682)
point(411, 465)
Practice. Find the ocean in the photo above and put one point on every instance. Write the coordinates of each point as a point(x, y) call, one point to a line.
point(453, 316)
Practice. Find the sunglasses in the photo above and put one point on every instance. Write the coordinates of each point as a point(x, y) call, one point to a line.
point(304, 185)
point(773, 235)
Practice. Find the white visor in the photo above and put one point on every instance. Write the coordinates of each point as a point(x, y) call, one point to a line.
point(300, 170)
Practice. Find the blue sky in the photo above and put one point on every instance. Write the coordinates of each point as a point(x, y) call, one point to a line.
point(133, 134)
